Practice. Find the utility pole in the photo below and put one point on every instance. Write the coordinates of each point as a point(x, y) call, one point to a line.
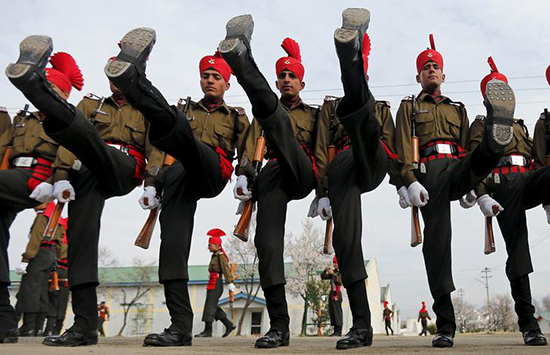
point(485, 275)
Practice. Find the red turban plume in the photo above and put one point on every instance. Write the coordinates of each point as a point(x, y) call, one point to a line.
point(64, 72)
point(548, 74)
point(366, 52)
point(294, 60)
point(494, 74)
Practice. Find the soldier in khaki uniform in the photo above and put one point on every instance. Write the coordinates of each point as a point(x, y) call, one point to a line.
point(289, 127)
point(446, 171)
point(423, 317)
point(217, 129)
point(39, 260)
point(219, 265)
point(32, 154)
point(362, 132)
point(334, 296)
point(103, 155)
point(5, 130)
point(204, 143)
point(58, 299)
point(514, 188)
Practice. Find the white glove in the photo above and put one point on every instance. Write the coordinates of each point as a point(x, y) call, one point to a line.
point(43, 192)
point(60, 187)
point(323, 208)
point(469, 200)
point(242, 183)
point(404, 200)
point(312, 213)
point(150, 192)
point(486, 204)
point(231, 287)
point(547, 209)
point(240, 208)
point(416, 192)
point(21, 269)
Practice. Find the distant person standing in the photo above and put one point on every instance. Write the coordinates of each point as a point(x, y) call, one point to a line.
point(334, 296)
point(423, 317)
point(103, 316)
point(387, 315)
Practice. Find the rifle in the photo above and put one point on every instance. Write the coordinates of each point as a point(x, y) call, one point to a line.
point(5, 163)
point(241, 229)
point(331, 154)
point(489, 235)
point(547, 135)
point(54, 281)
point(53, 223)
point(144, 237)
point(416, 231)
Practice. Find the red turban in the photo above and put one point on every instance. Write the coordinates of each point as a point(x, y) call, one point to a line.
point(493, 75)
point(385, 303)
point(429, 54)
point(423, 307)
point(64, 72)
point(294, 60)
point(334, 259)
point(217, 63)
point(366, 52)
point(215, 236)
point(548, 74)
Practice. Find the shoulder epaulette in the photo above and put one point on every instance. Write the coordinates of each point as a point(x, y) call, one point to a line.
point(542, 117)
point(480, 118)
point(407, 98)
point(330, 98)
point(3, 109)
point(457, 103)
point(92, 96)
point(181, 102)
point(384, 103)
point(240, 111)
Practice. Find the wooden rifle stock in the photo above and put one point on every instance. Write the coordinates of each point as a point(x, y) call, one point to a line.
point(416, 230)
point(327, 247)
point(144, 237)
point(5, 164)
point(54, 220)
point(54, 286)
point(241, 229)
point(489, 234)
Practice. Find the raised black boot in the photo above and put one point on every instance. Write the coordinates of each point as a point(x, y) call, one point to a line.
point(207, 332)
point(229, 326)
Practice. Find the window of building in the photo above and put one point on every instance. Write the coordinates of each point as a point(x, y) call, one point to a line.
point(256, 323)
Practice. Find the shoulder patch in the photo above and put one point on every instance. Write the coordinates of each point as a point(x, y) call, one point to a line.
point(3, 109)
point(92, 96)
point(330, 98)
point(407, 98)
point(239, 110)
point(480, 118)
point(384, 103)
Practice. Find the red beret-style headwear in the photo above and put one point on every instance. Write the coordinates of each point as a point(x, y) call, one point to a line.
point(494, 74)
point(366, 52)
point(64, 72)
point(429, 54)
point(217, 63)
point(294, 60)
point(548, 74)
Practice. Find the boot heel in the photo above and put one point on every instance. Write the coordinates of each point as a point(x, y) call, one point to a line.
point(34, 51)
point(238, 28)
point(355, 21)
point(501, 104)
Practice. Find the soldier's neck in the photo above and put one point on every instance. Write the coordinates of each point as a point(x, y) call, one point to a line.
point(212, 103)
point(290, 102)
point(434, 92)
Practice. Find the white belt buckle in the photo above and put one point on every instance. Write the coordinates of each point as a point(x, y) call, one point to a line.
point(23, 162)
point(444, 148)
point(517, 160)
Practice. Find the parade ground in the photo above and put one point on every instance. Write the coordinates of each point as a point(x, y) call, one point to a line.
point(503, 343)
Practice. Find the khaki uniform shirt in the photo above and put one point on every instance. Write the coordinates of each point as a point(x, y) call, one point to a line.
point(521, 144)
point(29, 139)
point(539, 143)
point(441, 120)
point(303, 121)
point(331, 131)
point(224, 127)
point(121, 124)
point(35, 236)
point(5, 130)
point(220, 263)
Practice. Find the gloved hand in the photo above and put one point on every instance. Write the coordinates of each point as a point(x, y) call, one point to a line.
point(231, 287)
point(547, 209)
point(242, 184)
point(43, 192)
point(469, 200)
point(240, 208)
point(21, 269)
point(323, 208)
point(486, 204)
point(150, 192)
point(312, 213)
point(418, 194)
point(60, 187)
point(404, 200)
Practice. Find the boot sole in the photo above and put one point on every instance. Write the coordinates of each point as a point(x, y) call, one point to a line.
point(500, 97)
point(133, 45)
point(239, 26)
point(82, 343)
point(154, 342)
point(270, 346)
point(355, 21)
point(34, 51)
point(10, 340)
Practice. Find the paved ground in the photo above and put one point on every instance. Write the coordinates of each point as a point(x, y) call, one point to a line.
point(496, 344)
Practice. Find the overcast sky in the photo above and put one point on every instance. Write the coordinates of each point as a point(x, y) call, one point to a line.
point(466, 32)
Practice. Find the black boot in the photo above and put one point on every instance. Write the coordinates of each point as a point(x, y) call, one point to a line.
point(359, 305)
point(534, 338)
point(337, 331)
point(229, 326)
point(207, 332)
point(235, 49)
point(50, 326)
point(500, 102)
point(9, 336)
point(355, 339)
point(273, 339)
point(8, 317)
point(277, 308)
point(29, 323)
point(445, 322)
point(169, 337)
point(72, 338)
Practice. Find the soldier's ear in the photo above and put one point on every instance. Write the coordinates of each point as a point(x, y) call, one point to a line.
point(418, 78)
point(302, 85)
point(227, 85)
point(442, 78)
point(277, 85)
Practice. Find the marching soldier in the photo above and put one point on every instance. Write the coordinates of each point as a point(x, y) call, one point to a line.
point(334, 296)
point(446, 171)
point(541, 140)
point(219, 265)
point(362, 132)
point(387, 315)
point(5, 130)
point(103, 316)
point(513, 187)
point(31, 156)
point(104, 155)
point(58, 299)
point(423, 317)
point(289, 128)
point(39, 260)
point(203, 142)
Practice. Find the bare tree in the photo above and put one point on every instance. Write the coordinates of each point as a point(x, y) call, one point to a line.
point(467, 317)
point(307, 263)
point(545, 304)
point(502, 314)
point(246, 256)
point(142, 276)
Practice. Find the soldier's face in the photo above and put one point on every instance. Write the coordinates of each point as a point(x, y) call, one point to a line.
point(288, 84)
point(213, 85)
point(213, 247)
point(431, 76)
